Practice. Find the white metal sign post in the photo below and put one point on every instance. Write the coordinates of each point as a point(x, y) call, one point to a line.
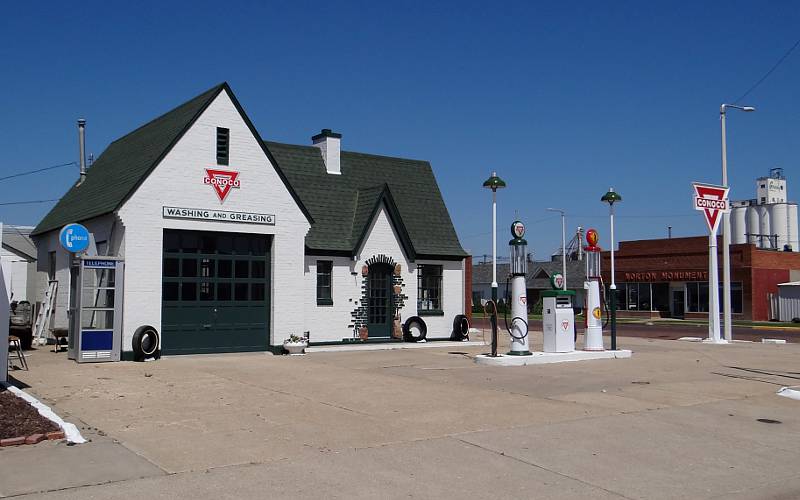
point(712, 200)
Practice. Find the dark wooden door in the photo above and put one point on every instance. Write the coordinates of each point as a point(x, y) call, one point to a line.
point(379, 290)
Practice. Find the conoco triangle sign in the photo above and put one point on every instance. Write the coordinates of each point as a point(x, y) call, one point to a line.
point(222, 181)
point(712, 200)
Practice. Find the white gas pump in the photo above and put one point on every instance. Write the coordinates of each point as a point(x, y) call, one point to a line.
point(558, 318)
point(519, 299)
point(593, 338)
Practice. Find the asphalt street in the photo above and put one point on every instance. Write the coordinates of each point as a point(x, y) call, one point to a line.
point(674, 331)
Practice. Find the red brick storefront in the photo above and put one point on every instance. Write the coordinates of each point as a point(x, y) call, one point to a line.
point(678, 266)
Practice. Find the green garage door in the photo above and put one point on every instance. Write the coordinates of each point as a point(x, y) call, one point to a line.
point(215, 294)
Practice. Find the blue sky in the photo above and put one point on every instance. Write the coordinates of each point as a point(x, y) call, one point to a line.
point(562, 99)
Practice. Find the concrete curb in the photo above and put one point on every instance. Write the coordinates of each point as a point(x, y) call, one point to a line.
point(391, 346)
point(71, 432)
point(543, 358)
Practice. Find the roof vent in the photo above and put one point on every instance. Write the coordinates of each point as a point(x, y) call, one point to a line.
point(329, 144)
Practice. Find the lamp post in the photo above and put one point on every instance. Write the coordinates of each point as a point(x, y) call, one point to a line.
point(563, 247)
point(494, 183)
point(726, 227)
point(611, 197)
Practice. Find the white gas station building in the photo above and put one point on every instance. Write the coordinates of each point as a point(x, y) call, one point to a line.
point(231, 243)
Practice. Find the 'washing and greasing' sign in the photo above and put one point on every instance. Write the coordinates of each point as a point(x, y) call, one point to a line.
point(218, 215)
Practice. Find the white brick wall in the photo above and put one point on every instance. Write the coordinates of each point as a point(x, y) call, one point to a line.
point(101, 228)
point(178, 181)
point(330, 323)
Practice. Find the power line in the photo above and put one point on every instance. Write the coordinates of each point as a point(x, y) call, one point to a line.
point(28, 202)
point(766, 75)
point(20, 174)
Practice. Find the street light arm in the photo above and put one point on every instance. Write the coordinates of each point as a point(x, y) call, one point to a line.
point(747, 109)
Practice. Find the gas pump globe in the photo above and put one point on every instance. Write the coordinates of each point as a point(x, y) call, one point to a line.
point(593, 339)
point(519, 300)
point(518, 247)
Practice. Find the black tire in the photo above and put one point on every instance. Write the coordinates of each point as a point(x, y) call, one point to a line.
point(417, 323)
point(145, 343)
point(460, 328)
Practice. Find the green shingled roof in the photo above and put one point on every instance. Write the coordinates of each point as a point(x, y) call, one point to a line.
point(339, 207)
point(124, 165)
point(344, 205)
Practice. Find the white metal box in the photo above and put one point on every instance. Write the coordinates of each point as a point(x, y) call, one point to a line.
point(558, 321)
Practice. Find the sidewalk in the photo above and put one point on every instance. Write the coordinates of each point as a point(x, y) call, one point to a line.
point(678, 420)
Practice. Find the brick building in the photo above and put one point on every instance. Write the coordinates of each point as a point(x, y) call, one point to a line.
point(669, 277)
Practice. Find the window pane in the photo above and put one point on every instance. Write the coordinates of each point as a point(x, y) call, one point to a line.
point(189, 242)
point(736, 297)
point(324, 289)
point(240, 291)
point(691, 297)
point(224, 268)
point(429, 286)
point(259, 246)
point(661, 297)
point(622, 293)
point(242, 268)
point(257, 291)
point(206, 268)
point(169, 291)
point(172, 242)
point(208, 243)
point(189, 267)
point(633, 297)
point(96, 320)
point(206, 291)
point(171, 268)
point(189, 291)
point(225, 244)
point(702, 303)
point(241, 245)
point(258, 269)
point(224, 291)
point(644, 297)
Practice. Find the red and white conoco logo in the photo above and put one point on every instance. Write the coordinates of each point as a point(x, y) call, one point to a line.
point(222, 181)
point(711, 200)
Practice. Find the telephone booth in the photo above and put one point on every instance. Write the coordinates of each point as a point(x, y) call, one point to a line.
point(95, 323)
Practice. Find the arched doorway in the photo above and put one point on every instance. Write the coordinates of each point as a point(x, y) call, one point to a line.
point(379, 295)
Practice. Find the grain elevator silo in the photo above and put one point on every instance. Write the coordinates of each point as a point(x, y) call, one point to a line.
point(768, 221)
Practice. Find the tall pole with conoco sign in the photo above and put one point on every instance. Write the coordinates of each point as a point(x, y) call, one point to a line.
point(712, 200)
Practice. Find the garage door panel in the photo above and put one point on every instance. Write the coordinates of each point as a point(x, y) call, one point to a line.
point(215, 292)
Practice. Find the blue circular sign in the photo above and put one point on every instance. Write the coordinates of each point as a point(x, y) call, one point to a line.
point(74, 238)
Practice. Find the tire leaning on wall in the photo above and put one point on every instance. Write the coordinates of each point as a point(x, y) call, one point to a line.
point(417, 323)
point(145, 343)
point(460, 328)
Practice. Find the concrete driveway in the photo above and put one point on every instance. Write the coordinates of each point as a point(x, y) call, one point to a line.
point(678, 420)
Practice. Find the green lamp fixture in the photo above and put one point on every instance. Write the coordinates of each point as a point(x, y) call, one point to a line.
point(494, 183)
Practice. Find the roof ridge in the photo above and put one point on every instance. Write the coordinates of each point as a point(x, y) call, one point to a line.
point(213, 89)
point(358, 153)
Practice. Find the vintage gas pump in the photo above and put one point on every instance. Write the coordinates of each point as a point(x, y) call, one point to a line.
point(593, 338)
point(519, 300)
point(558, 317)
